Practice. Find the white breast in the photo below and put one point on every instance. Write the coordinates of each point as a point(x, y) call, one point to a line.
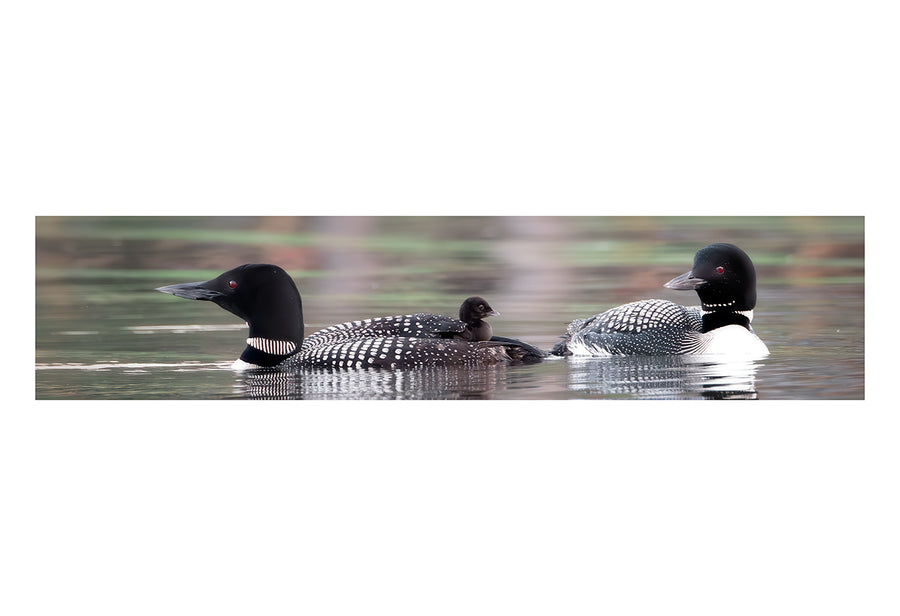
point(734, 340)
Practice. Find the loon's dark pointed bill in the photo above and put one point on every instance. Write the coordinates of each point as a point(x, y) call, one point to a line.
point(685, 282)
point(190, 290)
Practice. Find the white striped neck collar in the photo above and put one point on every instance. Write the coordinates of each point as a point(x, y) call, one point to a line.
point(266, 353)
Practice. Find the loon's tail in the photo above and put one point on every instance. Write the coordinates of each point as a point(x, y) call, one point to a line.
point(518, 350)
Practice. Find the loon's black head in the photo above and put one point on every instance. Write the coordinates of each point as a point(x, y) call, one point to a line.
point(474, 309)
point(264, 296)
point(723, 276)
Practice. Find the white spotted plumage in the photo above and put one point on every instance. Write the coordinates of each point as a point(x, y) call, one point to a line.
point(654, 327)
point(386, 342)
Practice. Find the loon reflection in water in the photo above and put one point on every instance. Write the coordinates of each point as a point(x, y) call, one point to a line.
point(628, 377)
point(664, 377)
point(425, 383)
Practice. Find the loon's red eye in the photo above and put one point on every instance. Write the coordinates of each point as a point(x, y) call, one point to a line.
point(720, 270)
point(232, 284)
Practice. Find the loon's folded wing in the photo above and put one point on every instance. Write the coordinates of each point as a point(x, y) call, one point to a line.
point(404, 326)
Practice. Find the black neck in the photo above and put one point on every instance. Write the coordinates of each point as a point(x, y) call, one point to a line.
point(721, 318)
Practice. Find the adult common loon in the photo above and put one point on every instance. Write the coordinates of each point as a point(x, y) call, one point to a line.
point(724, 278)
point(266, 297)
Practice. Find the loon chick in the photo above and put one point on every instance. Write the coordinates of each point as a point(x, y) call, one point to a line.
point(266, 297)
point(724, 278)
point(472, 311)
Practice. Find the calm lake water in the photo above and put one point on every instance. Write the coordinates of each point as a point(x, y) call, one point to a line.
point(102, 332)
